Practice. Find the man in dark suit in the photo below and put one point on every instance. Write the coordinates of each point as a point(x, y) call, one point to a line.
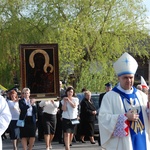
point(59, 132)
point(108, 87)
point(40, 122)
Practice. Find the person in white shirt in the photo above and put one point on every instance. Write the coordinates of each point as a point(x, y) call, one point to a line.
point(50, 108)
point(5, 117)
point(15, 112)
point(70, 111)
point(123, 118)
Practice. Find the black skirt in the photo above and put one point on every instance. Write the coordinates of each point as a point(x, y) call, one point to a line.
point(14, 130)
point(87, 128)
point(29, 129)
point(67, 126)
point(49, 123)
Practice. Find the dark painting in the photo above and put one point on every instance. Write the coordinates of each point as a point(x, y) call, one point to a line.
point(39, 69)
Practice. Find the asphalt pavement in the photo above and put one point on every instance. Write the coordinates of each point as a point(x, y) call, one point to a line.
point(40, 145)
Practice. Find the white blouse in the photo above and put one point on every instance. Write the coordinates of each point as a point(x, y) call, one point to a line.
point(14, 109)
point(49, 107)
point(71, 113)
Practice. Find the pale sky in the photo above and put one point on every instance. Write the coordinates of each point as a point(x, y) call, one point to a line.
point(147, 3)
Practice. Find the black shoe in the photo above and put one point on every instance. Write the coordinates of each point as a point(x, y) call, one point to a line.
point(93, 142)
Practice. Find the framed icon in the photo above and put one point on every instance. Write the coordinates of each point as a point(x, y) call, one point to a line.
point(40, 69)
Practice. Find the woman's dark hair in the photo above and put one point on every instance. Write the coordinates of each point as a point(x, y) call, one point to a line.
point(70, 88)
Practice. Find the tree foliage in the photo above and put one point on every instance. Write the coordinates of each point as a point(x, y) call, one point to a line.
point(91, 35)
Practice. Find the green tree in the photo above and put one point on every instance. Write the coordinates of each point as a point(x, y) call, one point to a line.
point(91, 35)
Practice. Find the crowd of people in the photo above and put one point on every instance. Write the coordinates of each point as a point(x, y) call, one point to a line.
point(51, 118)
point(123, 115)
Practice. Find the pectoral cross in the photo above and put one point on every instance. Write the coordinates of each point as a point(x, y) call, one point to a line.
point(137, 126)
point(132, 107)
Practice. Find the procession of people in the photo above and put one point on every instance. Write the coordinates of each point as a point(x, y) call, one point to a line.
point(123, 115)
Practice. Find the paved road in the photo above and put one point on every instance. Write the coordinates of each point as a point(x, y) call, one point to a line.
point(7, 145)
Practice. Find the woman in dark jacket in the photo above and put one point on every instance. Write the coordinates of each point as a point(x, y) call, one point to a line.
point(28, 112)
point(87, 118)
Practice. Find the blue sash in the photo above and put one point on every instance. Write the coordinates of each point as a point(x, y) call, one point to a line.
point(137, 129)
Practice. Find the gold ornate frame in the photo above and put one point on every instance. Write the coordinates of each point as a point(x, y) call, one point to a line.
point(40, 70)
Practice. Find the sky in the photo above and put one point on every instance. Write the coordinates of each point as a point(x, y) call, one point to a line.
point(147, 3)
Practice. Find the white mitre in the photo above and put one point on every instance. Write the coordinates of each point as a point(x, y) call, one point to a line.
point(126, 64)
